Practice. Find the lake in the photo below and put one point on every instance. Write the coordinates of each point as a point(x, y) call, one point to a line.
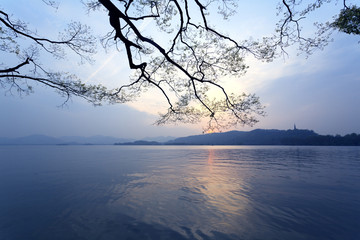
point(179, 192)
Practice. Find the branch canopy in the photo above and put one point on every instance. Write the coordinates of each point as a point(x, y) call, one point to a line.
point(179, 53)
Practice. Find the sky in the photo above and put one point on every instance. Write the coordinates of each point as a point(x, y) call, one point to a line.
point(318, 92)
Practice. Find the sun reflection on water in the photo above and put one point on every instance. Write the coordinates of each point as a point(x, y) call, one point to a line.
point(204, 184)
point(224, 186)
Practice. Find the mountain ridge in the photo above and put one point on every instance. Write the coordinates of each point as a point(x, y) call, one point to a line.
point(254, 137)
point(38, 139)
point(269, 137)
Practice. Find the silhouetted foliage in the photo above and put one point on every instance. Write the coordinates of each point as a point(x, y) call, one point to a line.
point(23, 44)
point(348, 20)
point(184, 69)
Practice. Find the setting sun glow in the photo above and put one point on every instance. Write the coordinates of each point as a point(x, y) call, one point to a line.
point(210, 131)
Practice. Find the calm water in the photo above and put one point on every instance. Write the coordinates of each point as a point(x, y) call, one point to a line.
point(158, 192)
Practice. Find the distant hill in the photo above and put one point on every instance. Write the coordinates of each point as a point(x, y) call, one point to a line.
point(140, 142)
point(95, 140)
point(255, 137)
point(159, 139)
point(71, 140)
point(268, 137)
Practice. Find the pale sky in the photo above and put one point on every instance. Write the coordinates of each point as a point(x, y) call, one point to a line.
point(320, 92)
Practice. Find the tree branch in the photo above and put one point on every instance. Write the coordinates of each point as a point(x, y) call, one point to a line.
point(13, 69)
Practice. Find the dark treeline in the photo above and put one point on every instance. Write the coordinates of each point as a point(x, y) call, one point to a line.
point(328, 140)
point(269, 137)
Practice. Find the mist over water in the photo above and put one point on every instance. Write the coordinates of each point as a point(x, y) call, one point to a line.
point(179, 192)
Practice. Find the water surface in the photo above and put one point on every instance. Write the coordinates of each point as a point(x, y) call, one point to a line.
point(186, 192)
